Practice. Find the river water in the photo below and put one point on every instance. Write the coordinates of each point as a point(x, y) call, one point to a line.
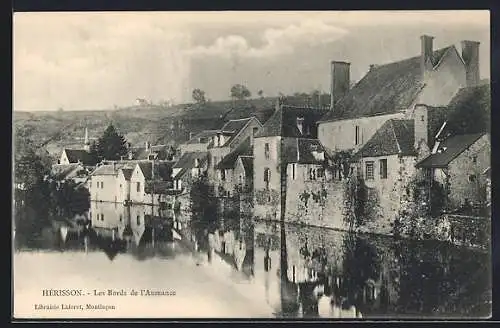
point(172, 268)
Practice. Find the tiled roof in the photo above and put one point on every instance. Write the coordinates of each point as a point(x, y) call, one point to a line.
point(392, 138)
point(142, 153)
point(284, 122)
point(75, 155)
point(234, 126)
point(303, 151)
point(61, 171)
point(385, 89)
point(469, 111)
point(449, 149)
point(187, 159)
point(163, 170)
point(110, 169)
point(229, 161)
point(207, 134)
point(247, 165)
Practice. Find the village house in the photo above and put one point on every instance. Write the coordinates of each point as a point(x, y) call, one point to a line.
point(230, 136)
point(393, 90)
point(77, 156)
point(462, 148)
point(458, 164)
point(198, 142)
point(289, 135)
point(107, 183)
point(75, 172)
point(150, 182)
point(189, 167)
point(149, 153)
point(235, 171)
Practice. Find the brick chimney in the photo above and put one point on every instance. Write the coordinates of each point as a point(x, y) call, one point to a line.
point(426, 60)
point(470, 55)
point(340, 81)
point(300, 124)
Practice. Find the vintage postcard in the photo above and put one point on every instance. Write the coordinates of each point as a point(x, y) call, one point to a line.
point(331, 165)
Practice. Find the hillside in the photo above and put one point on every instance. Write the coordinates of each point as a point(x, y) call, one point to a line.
point(156, 124)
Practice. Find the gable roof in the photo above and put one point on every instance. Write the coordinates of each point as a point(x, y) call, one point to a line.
point(76, 155)
point(142, 153)
point(61, 171)
point(187, 159)
point(385, 89)
point(303, 151)
point(229, 161)
point(162, 170)
point(394, 137)
point(247, 162)
point(110, 169)
point(448, 150)
point(232, 128)
point(284, 122)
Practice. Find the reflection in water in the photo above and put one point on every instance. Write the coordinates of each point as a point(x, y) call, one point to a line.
point(328, 273)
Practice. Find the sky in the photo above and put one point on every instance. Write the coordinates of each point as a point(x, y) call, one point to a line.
point(92, 60)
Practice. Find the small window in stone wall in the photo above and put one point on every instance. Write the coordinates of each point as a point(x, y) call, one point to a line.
point(369, 170)
point(472, 178)
point(266, 151)
point(383, 168)
point(474, 159)
point(267, 177)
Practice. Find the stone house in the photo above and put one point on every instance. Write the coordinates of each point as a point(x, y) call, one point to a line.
point(230, 136)
point(149, 152)
point(198, 143)
point(102, 183)
point(189, 167)
point(150, 182)
point(458, 164)
point(393, 90)
point(235, 171)
point(289, 135)
point(386, 163)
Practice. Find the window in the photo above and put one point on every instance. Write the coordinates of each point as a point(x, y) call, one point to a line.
point(121, 218)
point(266, 150)
point(102, 217)
point(120, 186)
point(319, 173)
point(102, 184)
point(422, 118)
point(383, 168)
point(356, 135)
point(472, 178)
point(138, 220)
point(474, 159)
point(267, 177)
point(138, 187)
point(312, 174)
point(369, 170)
point(254, 131)
point(293, 171)
point(223, 175)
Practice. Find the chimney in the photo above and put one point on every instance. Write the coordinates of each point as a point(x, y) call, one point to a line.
point(147, 145)
point(426, 62)
point(191, 134)
point(470, 55)
point(340, 80)
point(421, 120)
point(300, 124)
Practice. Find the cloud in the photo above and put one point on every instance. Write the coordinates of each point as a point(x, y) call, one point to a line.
point(275, 41)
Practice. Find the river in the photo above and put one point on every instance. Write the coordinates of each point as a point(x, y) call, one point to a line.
point(235, 271)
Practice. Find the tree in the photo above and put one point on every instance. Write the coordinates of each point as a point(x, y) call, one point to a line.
point(199, 96)
point(240, 92)
point(111, 145)
point(261, 93)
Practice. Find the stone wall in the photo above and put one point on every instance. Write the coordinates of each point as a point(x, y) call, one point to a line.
point(472, 162)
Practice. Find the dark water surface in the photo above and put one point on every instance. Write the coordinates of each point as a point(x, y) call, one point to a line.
point(238, 271)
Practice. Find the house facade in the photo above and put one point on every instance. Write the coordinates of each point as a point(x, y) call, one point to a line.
point(458, 164)
point(287, 141)
point(235, 171)
point(392, 91)
point(150, 182)
point(103, 182)
point(228, 138)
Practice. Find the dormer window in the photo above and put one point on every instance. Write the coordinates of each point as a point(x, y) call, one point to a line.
point(196, 162)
